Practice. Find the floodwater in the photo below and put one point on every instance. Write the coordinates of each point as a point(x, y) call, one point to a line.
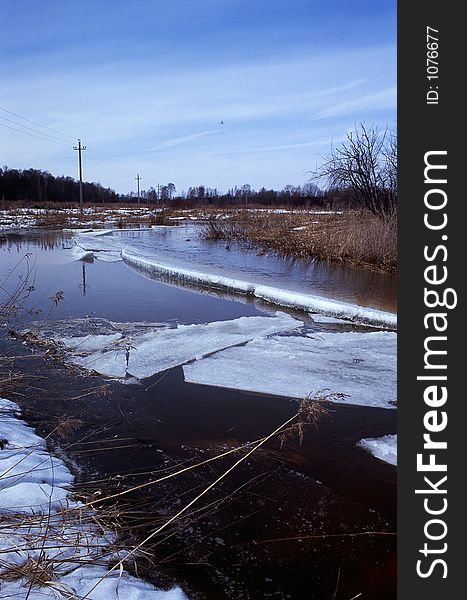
point(292, 521)
point(183, 245)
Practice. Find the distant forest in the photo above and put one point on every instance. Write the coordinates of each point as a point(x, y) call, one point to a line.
point(33, 186)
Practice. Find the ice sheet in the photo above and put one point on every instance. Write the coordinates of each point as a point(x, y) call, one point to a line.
point(384, 448)
point(159, 349)
point(360, 365)
point(282, 297)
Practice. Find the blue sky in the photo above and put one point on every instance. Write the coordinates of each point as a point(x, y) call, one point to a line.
point(147, 84)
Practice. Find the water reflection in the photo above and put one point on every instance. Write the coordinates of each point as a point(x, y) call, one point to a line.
point(96, 288)
point(42, 239)
point(183, 245)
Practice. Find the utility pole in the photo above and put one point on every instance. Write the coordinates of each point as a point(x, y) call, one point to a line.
point(80, 148)
point(138, 179)
point(158, 192)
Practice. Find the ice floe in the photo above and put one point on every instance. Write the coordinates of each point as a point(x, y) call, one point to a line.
point(41, 526)
point(145, 351)
point(107, 245)
point(360, 365)
point(384, 448)
point(99, 244)
point(79, 253)
point(287, 298)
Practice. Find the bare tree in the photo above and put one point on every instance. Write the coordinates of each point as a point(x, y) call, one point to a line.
point(171, 189)
point(367, 164)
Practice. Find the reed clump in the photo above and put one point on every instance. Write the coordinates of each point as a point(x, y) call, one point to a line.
point(353, 237)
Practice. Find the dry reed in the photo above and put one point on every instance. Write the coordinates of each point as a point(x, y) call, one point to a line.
point(354, 237)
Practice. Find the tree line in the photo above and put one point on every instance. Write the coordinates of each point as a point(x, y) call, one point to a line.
point(35, 186)
point(359, 173)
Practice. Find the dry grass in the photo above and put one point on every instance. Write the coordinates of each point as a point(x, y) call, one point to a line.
point(36, 573)
point(357, 238)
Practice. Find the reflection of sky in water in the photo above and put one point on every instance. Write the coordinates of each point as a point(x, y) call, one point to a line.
point(117, 292)
point(183, 245)
point(110, 290)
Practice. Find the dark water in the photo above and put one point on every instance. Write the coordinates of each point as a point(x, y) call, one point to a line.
point(291, 522)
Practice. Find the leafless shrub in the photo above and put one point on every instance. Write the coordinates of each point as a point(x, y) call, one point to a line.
point(365, 163)
point(310, 411)
point(217, 230)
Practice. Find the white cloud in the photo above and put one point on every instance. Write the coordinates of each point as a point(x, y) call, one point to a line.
point(380, 100)
point(183, 140)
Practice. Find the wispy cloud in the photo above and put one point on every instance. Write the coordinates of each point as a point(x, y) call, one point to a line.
point(184, 139)
point(376, 101)
point(280, 147)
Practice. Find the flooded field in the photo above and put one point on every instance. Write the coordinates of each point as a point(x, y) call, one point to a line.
point(310, 514)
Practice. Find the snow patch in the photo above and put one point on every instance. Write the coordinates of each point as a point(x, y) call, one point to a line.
point(40, 522)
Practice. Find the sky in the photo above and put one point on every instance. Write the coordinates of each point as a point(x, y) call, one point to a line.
point(195, 92)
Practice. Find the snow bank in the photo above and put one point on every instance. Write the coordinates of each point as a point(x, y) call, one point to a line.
point(360, 365)
point(384, 448)
point(40, 522)
point(158, 349)
point(290, 299)
point(31, 480)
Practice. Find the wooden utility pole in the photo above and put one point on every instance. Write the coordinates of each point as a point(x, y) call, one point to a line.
point(80, 149)
point(138, 179)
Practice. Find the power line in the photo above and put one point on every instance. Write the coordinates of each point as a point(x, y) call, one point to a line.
point(110, 164)
point(44, 139)
point(36, 123)
point(47, 135)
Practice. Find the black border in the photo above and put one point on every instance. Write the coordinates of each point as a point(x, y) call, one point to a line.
point(422, 128)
